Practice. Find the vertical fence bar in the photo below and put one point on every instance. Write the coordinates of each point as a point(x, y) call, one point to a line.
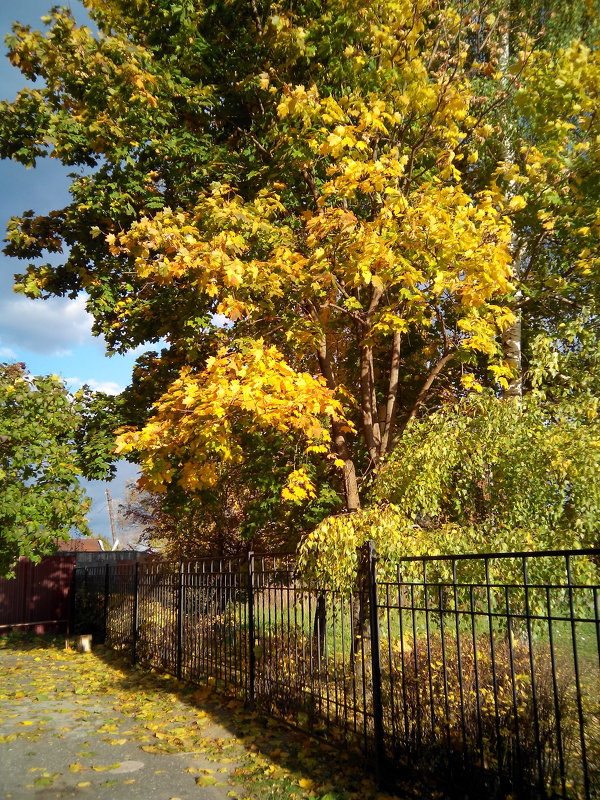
point(106, 599)
point(580, 714)
point(401, 591)
point(556, 697)
point(380, 771)
point(251, 632)
point(490, 616)
point(597, 621)
point(180, 618)
point(459, 657)
point(134, 637)
point(432, 713)
point(532, 671)
point(510, 632)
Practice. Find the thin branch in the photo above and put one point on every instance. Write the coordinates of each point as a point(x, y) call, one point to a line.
point(440, 318)
point(260, 146)
point(355, 315)
point(256, 17)
point(426, 387)
point(310, 182)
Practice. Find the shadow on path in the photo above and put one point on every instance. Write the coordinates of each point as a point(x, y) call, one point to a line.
point(76, 725)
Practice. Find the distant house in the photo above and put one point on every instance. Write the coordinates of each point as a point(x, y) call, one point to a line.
point(74, 546)
point(91, 552)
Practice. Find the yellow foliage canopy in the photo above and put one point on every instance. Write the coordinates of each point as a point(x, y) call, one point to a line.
point(196, 423)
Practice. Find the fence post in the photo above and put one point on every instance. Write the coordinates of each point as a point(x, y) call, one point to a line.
point(251, 631)
point(380, 771)
point(135, 613)
point(106, 596)
point(180, 616)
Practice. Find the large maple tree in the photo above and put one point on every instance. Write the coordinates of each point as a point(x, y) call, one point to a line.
point(329, 211)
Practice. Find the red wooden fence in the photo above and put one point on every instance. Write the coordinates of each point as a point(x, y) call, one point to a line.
point(38, 598)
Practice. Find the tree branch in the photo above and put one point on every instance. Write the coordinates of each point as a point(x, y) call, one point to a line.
point(256, 17)
point(366, 400)
point(392, 395)
point(426, 387)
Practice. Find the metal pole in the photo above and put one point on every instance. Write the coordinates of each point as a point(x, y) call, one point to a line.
point(180, 616)
point(106, 597)
point(135, 613)
point(251, 631)
point(111, 517)
point(380, 771)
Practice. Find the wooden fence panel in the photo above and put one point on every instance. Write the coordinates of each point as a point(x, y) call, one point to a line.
point(39, 596)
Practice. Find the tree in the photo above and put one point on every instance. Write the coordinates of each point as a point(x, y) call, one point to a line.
point(244, 509)
point(40, 496)
point(542, 69)
point(486, 475)
point(331, 179)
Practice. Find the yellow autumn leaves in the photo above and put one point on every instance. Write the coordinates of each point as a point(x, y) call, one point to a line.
point(437, 243)
point(372, 227)
point(196, 426)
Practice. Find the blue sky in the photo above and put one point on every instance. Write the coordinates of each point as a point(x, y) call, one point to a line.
point(51, 336)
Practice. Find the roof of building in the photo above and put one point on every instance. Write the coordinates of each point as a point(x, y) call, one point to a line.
point(79, 546)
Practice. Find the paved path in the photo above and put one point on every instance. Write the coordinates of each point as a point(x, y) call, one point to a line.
point(91, 726)
point(63, 736)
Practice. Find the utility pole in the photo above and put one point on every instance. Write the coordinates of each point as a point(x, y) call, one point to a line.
point(111, 516)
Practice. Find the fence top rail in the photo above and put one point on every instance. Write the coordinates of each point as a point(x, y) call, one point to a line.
point(160, 564)
point(587, 551)
point(242, 557)
point(514, 586)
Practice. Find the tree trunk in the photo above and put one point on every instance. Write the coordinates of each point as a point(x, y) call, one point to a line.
point(340, 441)
point(392, 396)
point(360, 608)
point(319, 625)
point(511, 347)
point(511, 337)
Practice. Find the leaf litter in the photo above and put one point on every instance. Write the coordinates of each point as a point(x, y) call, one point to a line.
point(163, 716)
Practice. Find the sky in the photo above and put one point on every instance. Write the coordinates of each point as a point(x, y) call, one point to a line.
point(51, 336)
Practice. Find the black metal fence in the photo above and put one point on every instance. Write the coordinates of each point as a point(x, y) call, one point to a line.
point(473, 676)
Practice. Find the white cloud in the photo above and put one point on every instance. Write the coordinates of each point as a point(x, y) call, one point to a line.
point(108, 387)
point(50, 327)
point(6, 352)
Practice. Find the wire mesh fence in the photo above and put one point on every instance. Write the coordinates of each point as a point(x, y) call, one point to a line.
point(476, 675)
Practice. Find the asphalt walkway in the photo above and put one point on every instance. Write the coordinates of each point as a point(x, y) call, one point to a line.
point(90, 726)
point(63, 736)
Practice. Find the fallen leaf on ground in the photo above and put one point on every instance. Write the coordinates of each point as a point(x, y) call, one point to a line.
point(206, 780)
